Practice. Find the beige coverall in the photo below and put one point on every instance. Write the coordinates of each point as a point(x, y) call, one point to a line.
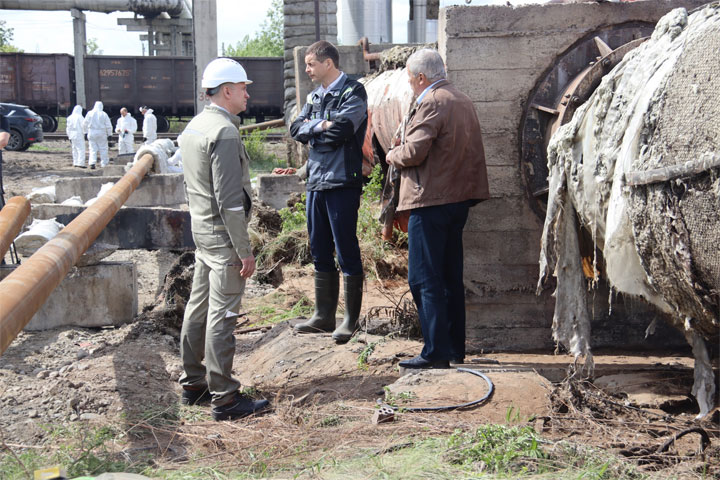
point(217, 185)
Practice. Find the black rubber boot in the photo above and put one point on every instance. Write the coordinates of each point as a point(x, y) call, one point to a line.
point(353, 301)
point(327, 286)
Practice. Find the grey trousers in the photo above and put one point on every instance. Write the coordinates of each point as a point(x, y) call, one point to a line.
point(207, 331)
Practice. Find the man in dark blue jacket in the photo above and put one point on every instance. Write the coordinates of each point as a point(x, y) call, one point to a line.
point(333, 122)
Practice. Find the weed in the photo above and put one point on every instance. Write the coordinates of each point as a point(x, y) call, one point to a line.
point(365, 354)
point(330, 421)
point(294, 218)
point(260, 160)
point(82, 450)
point(272, 310)
point(395, 399)
point(497, 449)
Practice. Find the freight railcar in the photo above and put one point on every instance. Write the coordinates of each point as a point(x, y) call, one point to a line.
point(46, 83)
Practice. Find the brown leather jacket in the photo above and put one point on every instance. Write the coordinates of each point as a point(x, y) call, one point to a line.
point(442, 160)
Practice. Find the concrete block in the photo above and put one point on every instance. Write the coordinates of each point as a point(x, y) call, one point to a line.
point(94, 296)
point(506, 51)
point(274, 190)
point(548, 19)
point(515, 339)
point(506, 247)
point(504, 180)
point(112, 171)
point(499, 117)
point(502, 148)
point(133, 228)
point(495, 85)
point(153, 191)
point(124, 159)
point(511, 214)
point(497, 277)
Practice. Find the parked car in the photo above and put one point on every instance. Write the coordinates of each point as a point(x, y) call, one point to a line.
point(25, 126)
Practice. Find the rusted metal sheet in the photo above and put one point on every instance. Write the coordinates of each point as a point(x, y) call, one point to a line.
point(389, 98)
point(42, 81)
point(26, 289)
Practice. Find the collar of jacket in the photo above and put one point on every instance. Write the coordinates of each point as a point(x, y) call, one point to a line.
point(440, 83)
point(335, 91)
point(215, 109)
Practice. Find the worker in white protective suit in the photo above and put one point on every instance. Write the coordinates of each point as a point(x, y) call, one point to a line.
point(99, 129)
point(149, 128)
point(125, 127)
point(76, 134)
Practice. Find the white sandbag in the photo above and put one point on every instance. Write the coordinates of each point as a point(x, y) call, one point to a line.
point(75, 200)
point(39, 233)
point(103, 190)
point(42, 195)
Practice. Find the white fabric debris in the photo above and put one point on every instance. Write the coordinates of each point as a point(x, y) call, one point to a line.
point(74, 200)
point(42, 195)
point(161, 151)
point(103, 190)
point(588, 159)
point(37, 235)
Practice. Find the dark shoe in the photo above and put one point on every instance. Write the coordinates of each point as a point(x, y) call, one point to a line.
point(81, 166)
point(421, 363)
point(327, 286)
point(457, 361)
point(353, 285)
point(241, 406)
point(195, 396)
point(92, 167)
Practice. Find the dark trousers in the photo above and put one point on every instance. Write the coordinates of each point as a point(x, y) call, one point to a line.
point(435, 276)
point(332, 226)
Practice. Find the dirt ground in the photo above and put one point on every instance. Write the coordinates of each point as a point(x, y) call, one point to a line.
point(324, 395)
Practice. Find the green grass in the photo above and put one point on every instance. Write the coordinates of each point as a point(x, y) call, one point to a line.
point(273, 309)
point(489, 452)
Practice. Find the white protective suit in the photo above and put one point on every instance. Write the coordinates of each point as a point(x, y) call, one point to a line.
point(76, 134)
point(125, 128)
point(149, 126)
point(98, 127)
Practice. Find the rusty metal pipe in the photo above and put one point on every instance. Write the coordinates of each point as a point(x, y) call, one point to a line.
point(25, 290)
point(367, 56)
point(262, 126)
point(12, 218)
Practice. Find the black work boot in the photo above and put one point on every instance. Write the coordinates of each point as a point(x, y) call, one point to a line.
point(241, 406)
point(327, 286)
point(195, 395)
point(353, 301)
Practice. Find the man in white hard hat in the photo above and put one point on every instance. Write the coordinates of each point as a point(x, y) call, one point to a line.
point(217, 183)
point(149, 127)
point(126, 127)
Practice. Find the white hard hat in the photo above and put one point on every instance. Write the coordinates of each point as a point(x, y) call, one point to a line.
point(223, 70)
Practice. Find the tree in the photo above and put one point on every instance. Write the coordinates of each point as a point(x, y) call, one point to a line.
point(266, 43)
point(6, 36)
point(93, 48)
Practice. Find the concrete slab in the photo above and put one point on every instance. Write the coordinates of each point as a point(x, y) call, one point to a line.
point(274, 190)
point(94, 296)
point(154, 190)
point(132, 227)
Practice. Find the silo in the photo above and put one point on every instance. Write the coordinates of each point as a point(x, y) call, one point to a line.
point(368, 18)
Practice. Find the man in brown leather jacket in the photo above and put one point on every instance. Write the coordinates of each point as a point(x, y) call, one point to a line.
point(442, 174)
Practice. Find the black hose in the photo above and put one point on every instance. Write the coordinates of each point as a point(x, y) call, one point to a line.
point(491, 389)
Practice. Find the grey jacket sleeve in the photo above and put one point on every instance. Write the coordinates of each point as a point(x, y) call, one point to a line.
point(227, 175)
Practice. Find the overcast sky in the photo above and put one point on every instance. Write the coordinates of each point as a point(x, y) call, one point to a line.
point(51, 32)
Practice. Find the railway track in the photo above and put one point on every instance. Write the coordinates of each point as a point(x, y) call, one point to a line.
point(270, 137)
